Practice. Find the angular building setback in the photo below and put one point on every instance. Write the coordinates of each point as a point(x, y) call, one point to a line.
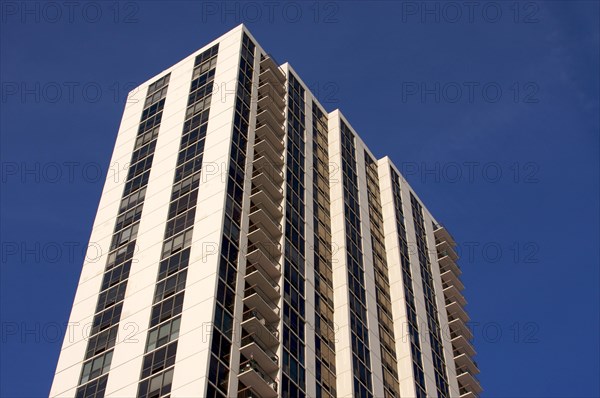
point(252, 246)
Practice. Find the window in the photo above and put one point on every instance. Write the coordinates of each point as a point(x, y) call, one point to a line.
point(93, 389)
point(111, 296)
point(101, 342)
point(114, 282)
point(129, 217)
point(174, 264)
point(166, 309)
point(120, 255)
point(116, 275)
point(170, 286)
point(176, 243)
point(124, 236)
point(156, 386)
point(185, 186)
point(163, 334)
point(160, 83)
point(182, 204)
point(181, 222)
point(132, 200)
point(96, 367)
point(158, 360)
point(106, 319)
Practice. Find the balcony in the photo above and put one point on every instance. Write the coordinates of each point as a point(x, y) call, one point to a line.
point(270, 72)
point(461, 344)
point(263, 115)
point(259, 197)
point(442, 234)
point(456, 282)
point(264, 147)
point(445, 249)
point(255, 299)
point(254, 323)
point(464, 361)
point(252, 375)
point(468, 380)
point(458, 327)
point(257, 233)
point(446, 263)
point(456, 310)
point(450, 278)
point(252, 348)
point(262, 164)
point(270, 103)
point(263, 180)
point(274, 91)
point(453, 294)
point(254, 276)
point(246, 392)
point(264, 132)
point(266, 258)
point(468, 394)
point(261, 219)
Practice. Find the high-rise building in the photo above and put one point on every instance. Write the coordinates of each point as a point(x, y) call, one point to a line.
point(254, 247)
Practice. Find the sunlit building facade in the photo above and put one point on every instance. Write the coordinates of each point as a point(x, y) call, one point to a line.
point(253, 246)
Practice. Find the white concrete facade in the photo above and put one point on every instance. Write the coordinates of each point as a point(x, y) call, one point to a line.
point(192, 365)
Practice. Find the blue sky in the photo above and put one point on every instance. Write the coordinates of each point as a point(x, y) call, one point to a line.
point(492, 113)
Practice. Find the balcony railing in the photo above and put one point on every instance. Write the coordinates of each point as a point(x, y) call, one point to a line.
point(251, 347)
point(266, 165)
point(454, 308)
point(249, 314)
point(261, 219)
point(445, 249)
point(255, 276)
point(267, 102)
point(464, 361)
point(442, 234)
point(468, 380)
point(264, 148)
point(254, 298)
point(265, 258)
point(265, 181)
point(261, 198)
point(452, 293)
point(461, 344)
point(273, 90)
point(263, 116)
point(257, 233)
point(458, 327)
point(446, 263)
point(268, 67)
point(450, 278)
point(252, 375)
point(275, 137)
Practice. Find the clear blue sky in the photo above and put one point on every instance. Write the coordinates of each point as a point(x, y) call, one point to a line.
point(492, 112)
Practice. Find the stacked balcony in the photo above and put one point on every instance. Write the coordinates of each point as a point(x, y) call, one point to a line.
point(262, 295)
point(460, 334)
point(255, 382)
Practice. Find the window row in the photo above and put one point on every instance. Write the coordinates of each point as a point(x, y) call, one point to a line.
point(163, 334)
point(95, 367)
point(225, 299)
point(158, 360)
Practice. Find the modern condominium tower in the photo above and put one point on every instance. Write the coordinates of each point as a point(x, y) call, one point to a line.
point(252, 246)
